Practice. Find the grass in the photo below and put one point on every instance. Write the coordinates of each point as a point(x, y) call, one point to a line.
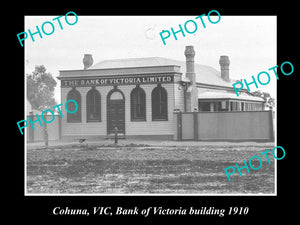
point(143, 169)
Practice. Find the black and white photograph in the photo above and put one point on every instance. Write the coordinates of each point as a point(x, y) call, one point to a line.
point(115, 106)
point(154, 115)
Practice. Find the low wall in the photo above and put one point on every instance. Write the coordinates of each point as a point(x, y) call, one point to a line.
point(227, 126)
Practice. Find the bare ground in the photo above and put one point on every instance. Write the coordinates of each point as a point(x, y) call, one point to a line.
point(145, 169)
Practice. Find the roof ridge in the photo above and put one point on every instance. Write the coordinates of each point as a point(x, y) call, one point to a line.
point(122, 59)
point(150, 57)
point(204, 73)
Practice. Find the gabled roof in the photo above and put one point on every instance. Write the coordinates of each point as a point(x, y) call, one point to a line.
point(204, 74)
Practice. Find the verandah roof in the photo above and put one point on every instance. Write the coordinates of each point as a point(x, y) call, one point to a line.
point(227, 95)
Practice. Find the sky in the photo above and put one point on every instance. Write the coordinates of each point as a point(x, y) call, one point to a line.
point(249, 41)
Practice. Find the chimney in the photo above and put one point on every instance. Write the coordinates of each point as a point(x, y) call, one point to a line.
point(192, 91)
point(87, 61)
point(190, 68)
point(224, 63)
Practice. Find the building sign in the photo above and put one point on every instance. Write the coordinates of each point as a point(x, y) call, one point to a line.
point(117, 80)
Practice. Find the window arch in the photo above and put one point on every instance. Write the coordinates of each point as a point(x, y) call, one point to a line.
point(93, 106)
point(74, 117)
point(138, 104)
point(159, 103)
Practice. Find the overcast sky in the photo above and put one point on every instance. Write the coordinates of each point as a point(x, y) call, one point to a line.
point(249, 41)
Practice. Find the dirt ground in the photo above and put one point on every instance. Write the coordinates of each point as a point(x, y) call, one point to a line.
point(147, 168)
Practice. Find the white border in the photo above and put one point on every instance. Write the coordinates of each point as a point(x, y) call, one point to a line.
point(94, 194)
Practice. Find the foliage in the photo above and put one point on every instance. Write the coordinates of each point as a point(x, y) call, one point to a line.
point(40, 88)
point(270, 102)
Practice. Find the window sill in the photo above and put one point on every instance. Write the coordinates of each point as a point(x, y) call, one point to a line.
point(159, 119)
point(94, 121)
point(138, 120)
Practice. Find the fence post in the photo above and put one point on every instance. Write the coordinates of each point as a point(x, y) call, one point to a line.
point(46, 134)
point(29, 128)
point(195, 121)
point(59, 127)
point(271, 130)
point(179, 126)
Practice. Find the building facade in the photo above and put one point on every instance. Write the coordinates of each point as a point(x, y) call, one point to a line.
point(138, 97)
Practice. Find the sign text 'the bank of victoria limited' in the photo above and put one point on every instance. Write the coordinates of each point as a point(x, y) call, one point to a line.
point(117, 80)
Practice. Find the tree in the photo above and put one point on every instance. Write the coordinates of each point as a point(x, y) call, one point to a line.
point(269, 101)
point(40, 88)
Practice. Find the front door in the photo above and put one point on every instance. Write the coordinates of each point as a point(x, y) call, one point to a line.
point(115, 112)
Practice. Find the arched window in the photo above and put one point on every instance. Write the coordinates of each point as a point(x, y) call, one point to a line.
point(93, 106)
point(138, 104)
point(159, 103)
point(74, 117)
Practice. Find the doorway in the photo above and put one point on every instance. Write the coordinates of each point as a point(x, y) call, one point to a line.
point(115, 112)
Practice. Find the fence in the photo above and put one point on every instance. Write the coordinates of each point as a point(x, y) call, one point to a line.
point(198, 126)
point(226, 126)
point(38, 133)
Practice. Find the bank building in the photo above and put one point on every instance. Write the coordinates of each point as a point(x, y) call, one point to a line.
point(139, 97)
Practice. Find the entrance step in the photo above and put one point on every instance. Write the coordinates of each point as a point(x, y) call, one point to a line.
point(112, 136)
